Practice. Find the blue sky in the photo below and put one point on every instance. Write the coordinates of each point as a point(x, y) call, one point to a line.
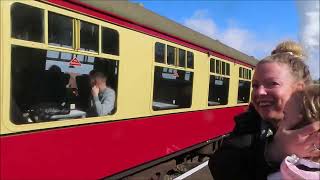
point(253, 27)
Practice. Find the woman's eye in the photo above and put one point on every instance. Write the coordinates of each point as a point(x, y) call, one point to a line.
point(272, 84)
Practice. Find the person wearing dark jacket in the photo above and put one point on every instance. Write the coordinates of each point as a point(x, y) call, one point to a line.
point(259, 141)
point(243, 150)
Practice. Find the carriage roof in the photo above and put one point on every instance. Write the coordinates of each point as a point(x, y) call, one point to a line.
point(138, 14)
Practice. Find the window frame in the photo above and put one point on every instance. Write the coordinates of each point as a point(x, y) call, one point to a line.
point(44, 45)
point(245, 76)
point(216, 64)
point(101, 40)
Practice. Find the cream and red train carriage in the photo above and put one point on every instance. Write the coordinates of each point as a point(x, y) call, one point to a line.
point(176, 90)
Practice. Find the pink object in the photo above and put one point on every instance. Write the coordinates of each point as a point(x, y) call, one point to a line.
point(290, 169)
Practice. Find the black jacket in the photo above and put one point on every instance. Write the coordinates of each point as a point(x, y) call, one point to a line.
point(242, 153)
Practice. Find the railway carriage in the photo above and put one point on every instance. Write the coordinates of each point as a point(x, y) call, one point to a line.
point(177, 91)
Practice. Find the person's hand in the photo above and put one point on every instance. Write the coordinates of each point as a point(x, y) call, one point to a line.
point(302, 142)
point(95, 91)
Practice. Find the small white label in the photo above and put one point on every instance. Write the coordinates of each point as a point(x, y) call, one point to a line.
point(72, 106)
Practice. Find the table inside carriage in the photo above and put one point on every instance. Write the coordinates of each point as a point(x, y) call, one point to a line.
point(161, 105)
point(74, 113)
point(213, 103)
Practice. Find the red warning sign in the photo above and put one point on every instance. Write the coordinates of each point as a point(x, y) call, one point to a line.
point(74, 62)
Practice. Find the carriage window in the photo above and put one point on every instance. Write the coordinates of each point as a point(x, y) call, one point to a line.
point(60, 30)
point(228, 69)
point(89, 37)
point(171, 54)
point(212, 65)
point(159, 52)
point(218, 90)
point(223, 68)
point(245, 73)
point(110, 41)
point(244, 91)
point(182, 58)
point(172, 89)
point(27, 22)
point(218, 66)
point(46, 86)
point(190, 58)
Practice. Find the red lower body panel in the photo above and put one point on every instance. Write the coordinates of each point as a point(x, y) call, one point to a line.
point(100, 150)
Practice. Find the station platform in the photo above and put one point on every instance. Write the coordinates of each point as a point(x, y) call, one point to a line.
point(200, 172)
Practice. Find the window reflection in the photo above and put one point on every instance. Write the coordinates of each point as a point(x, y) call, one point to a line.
point(89, 36)
point(60, 30)
point(27, 22)
point(110, 41)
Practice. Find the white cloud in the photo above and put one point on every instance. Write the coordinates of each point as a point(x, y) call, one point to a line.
point(236, 37)
point(202, 23)
point(309, 33)
point(261, 45)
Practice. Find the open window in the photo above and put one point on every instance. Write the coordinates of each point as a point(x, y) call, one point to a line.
point(172, 88)
point(46, 86)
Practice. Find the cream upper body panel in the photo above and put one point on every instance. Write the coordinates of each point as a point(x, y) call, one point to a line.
point(136, 69)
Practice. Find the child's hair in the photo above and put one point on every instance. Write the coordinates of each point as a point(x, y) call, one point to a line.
point(310, 107)
point(311, 103)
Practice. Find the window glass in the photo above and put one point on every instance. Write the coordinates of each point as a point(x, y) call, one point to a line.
point(89, 36)
point(228, 69)
point(182, 58)
point(172, 89)
point(110, 41)
point(159, 52)
point(244, 91)
point(223, 68)
point(45, 85)
point(212, 65)
point(190, 59)
point(249, 74)
point(171, 54)
point(218, 66)
point(60, 30)
point(240, 72)
point(218, 90)
point(27, 23)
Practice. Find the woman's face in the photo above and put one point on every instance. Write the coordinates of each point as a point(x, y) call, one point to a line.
point(272, 85)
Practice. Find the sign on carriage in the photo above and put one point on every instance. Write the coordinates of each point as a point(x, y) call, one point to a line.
point(74, 62)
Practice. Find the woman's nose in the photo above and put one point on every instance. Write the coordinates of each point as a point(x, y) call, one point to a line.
point(260, 91)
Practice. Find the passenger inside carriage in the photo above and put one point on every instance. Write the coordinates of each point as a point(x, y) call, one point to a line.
point(260, 141)
point(102, 98)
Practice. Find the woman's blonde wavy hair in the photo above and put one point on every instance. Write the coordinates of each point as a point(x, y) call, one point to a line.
point(291, 54)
